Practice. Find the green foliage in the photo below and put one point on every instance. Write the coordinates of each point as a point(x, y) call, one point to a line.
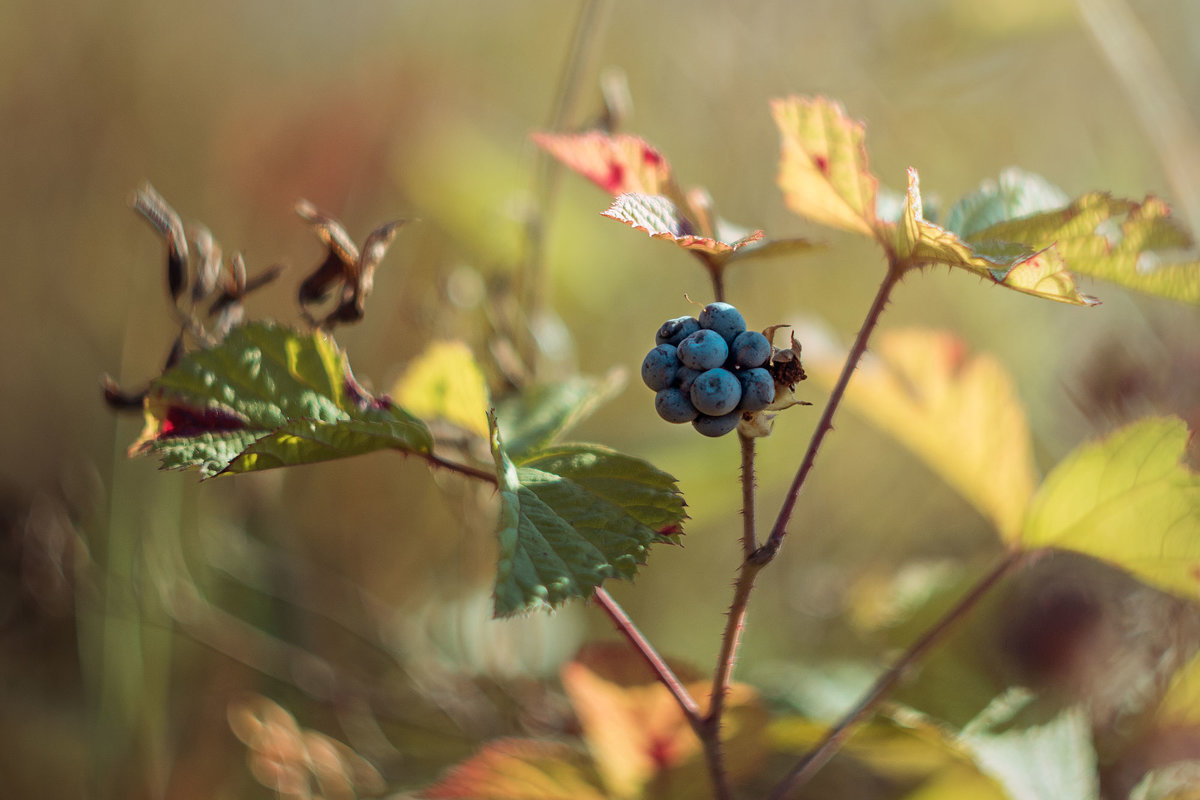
point(266, 397)
point(542, 412)
point(572, 516)
point(1054, 761)
point(1014, 195)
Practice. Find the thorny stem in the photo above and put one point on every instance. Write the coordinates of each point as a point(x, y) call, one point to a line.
point(825, 424)
point(664, 673)
point(749, 536)
point(463, 469)
point(837, 735)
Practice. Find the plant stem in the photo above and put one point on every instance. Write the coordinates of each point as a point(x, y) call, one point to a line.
point(749, 535)
point(825, 424)
point(664, 673)
point(462, 469)
point(837, 735)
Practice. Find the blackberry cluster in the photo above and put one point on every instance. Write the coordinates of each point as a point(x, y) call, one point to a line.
point(708, 371)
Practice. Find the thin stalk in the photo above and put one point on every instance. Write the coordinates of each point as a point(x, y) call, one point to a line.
point(837, 735)
point(656, 663)
point(749, 535)
point(532, 276)
point(825, 424)
point(462, 469)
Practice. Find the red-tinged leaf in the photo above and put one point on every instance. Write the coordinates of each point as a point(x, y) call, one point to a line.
point(617, 163)
point(1009, 263)
point(520, 769)
point(661, 219)
point(823, 169)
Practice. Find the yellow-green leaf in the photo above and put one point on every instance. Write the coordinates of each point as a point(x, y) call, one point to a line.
point(823, 169)
point(1009, 262)
point(519, 769)
point(1121, 241)
point(957, 413)
point(445, 382)
point(1128, 500)
point(1181, 704)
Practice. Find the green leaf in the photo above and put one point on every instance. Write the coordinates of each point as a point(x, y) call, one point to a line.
point(661, 219)
point(1007, 262)
point(1121, 241)
point(539, 414)
point(1128, 500)
point(445, 383)
point(823, 170)
point(573, 516)
point(959, 414)
point(1055, 761)
point(268, 396)
point(520, 769)
point(1015, 194)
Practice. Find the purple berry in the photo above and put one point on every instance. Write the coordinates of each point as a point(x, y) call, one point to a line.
point(674, 331)
point(750, 349)
point(659, 367)
point(716, 392)
point(717, 426)
point(724, 319)
point(674, 406)
point(703, 350)
point(758, 389)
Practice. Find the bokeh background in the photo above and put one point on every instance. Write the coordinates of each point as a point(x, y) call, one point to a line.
point(138, 608)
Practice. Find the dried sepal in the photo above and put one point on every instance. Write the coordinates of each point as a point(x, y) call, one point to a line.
point(151, 205)
point(208, 262)
point(117, 398)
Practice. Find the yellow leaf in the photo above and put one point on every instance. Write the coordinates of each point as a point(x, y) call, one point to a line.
point(445, 383)
point(1128, 500)
point(823, 170)
point(1181, 705)
point(957, 413)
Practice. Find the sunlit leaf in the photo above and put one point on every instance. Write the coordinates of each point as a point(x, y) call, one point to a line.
point(1129, 500)
point(1181, 704)
point(823, 169)
point(956, 783)
point(573, 516)
point(638, 736)
point(1127, 243)
point(617, 163)
point(1016, 193)
point(958, 413)
point(520, 769)
point(445, 383)
point(539, 414)
point(661, 219)
point(268, 396)
point(1008, 262)
point(1055, 761)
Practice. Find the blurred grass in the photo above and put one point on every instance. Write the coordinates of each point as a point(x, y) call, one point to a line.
point(422, 110)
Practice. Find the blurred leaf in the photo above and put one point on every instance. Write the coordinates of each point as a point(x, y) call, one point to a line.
point(1116, 240)
point(539, 414)
point(617, 163)
point(958, 414)
point(1010, 263)
point(1178, 781)
point(268, 396)
point(1055, 761)
point(519, 769)
point(1015, 194)
point(956, 783)
point(660, 218)
point(823, 169)
point(1128, 500)
point(1181, 704)
point(445, 382)
point(639, 737)
point(573, 516)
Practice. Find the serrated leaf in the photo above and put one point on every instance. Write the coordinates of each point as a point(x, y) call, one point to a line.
point(639, 738)
point(1055, 761)
point(520, 769)
point(445, 382)
point(268, 396)
point(958, 413)
point(823, 170)
point(1006, 261)
point(1016, 193)
point(1129, 500)
point(1120, 241)
point(661, 219)
point(572, 517)
point(539, 414)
